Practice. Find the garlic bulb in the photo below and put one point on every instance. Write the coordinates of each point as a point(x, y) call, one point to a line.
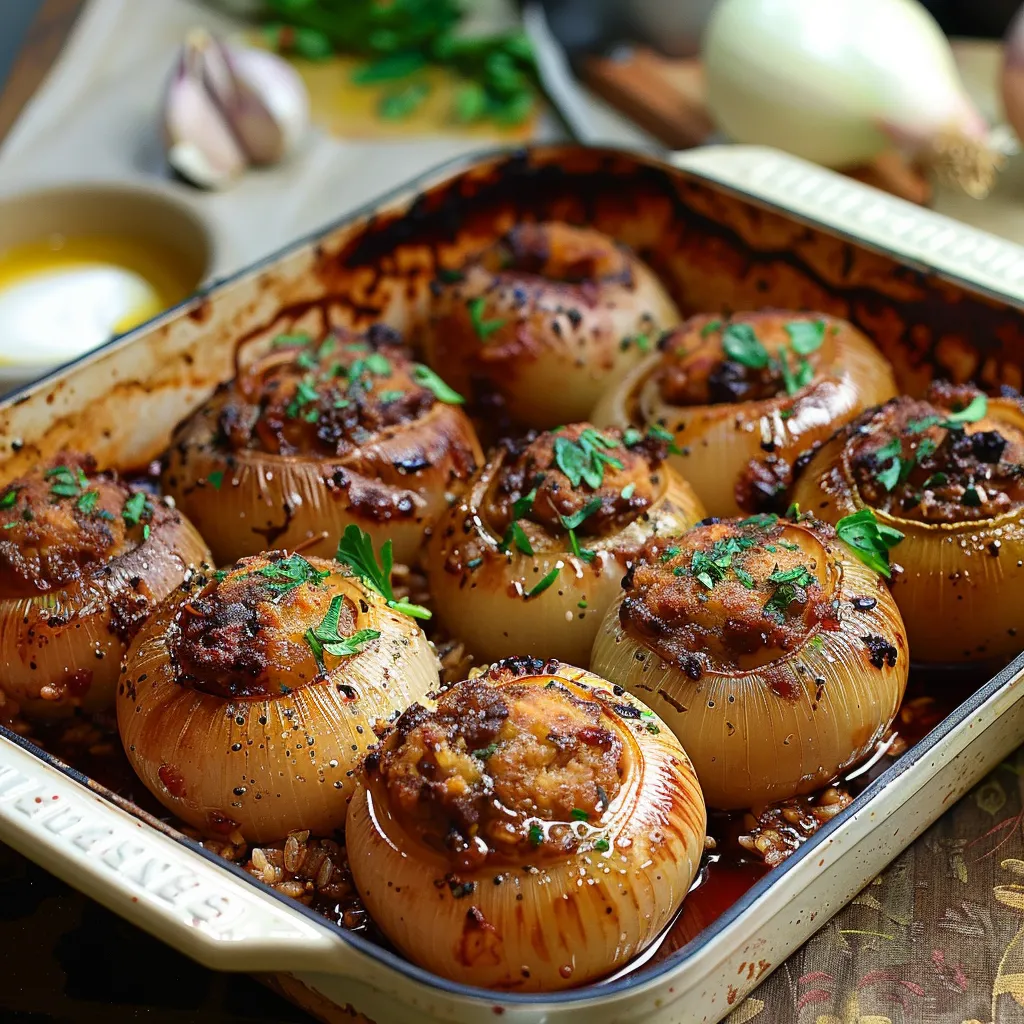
point(837, 83)
point(229, 106)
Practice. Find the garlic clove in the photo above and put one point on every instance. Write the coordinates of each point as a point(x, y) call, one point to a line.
point(200, 145)
point(273, 114)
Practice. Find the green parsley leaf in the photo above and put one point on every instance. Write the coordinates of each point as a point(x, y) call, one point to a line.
point(425, 376)
point(577, 519)
point(87, 502)
point(744, 577)
point(578, 815)
point(9, 497)
point(449, 276)
point(972, 497)
point(515, 534)
point(936, 480)
point(215, 479)
point(291, 572)
point(378, 364)
point(920, 426)
point(536, 835)
point(355, 549)
point(585, 460)
point(888, 456)
point(652, 727)
point(805, 336)
point(485, 752)
point(484, 328)
point(328, 639)
point(869, 539)
point(390, 396)
point(975, 410)
point(741, 346)
point(799, 574)
point(543, 584)
point(602, 845)
point(300, 338)
point(135, 509)
point(710, 327)
point(631, 437)
point(524, 506)
point(306, 360)
point(627, 492)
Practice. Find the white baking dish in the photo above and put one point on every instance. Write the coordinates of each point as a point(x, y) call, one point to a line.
point(728, 227)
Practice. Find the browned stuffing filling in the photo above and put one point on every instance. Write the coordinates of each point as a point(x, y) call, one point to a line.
point(733, 594)
point(938, 463)
point(500, 769)
point(752, 357)
point(64, 520)
point(324, 397)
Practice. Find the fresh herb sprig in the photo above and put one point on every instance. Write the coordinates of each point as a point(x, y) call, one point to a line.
point(574, 522)
point(356, 551)
point(869, 539)
point(483, 328)
point(584, 460)
point(291, 572)
point(325, 636)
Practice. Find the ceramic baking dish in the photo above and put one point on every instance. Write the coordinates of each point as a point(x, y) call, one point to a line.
point(725, 228)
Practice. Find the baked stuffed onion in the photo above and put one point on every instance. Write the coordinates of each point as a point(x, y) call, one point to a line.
point(248, 697)
point(744, 395)
point(531, 558)
point(775, 655)
point(944, 480)
point(84, 559)
point(315, 436)
point(545, 319)
point(534, 831)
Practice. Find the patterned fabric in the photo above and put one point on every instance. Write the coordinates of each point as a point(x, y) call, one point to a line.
point(938, 938)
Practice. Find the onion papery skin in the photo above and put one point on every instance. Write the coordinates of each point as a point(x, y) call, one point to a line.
point(738, 455)
point(479, 591)
point(787, 727)
point(959, 586)
point(565, 311)
point(573, 915)
point(391, 481)
point(62, 640)
point(267, 763)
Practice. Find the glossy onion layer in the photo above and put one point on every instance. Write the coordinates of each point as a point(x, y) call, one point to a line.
point(956, 491)
point(506, 574)
point(546, 320)
point(315, 436)
point(234, 719)
point(775, 656)
point(744, 396)
point(534, 832)
point(84, 559)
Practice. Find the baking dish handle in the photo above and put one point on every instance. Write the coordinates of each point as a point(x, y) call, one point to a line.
point(171, 891)
point(874, 218)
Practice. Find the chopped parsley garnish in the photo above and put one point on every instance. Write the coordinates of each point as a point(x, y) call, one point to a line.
point(536, 835)
point(627, 492)
point(710, 567)
point(215, 479)
point(8, 498)
point(658, 433)
point(515, 534)
point(763, 520)
point(806, 336)
point(972, 497)
point(87, 502)
point(355, 549)
point(326, 347)
point(741, 345)
point(378, 364)
point(653, 727)
point(67, 483)
point(710, 327)
point(572, 524)
point(974, 411)
point(889, 457)
point(669, 553)
point(524, 505)
point(585, 459)
point(790, 585)
point(430, 380)
point(291, 572)
point(484, 328)
point(485, 752)
point(602, 845)
point(136, 508)
point(869, 539)
point(305, 360)
point(305, 393)
point(579, 815)
point(325, 636)
point(642, 342)
point(391, 396)
point(936, 480)
point(706, 569)
point(450, 276)
point(582, 603)
point(744, 577)
point(631, 437)
point(300, 338)
point(544, 583)
point(799, 574)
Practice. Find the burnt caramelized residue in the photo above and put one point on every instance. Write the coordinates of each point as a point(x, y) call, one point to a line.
point(732, 595)
point(940, 461)
point(65, 521)
point(533, 480)
point(240, 633)
point(507, 766)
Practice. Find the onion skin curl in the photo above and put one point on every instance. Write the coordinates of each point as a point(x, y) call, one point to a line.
point(84, 559)
point(545, 320)
point(960, 581)
point(226, 716)
point(589, 789)
point(739, 430)
point(771, 699)
point(316, 436)
point(481, 578)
